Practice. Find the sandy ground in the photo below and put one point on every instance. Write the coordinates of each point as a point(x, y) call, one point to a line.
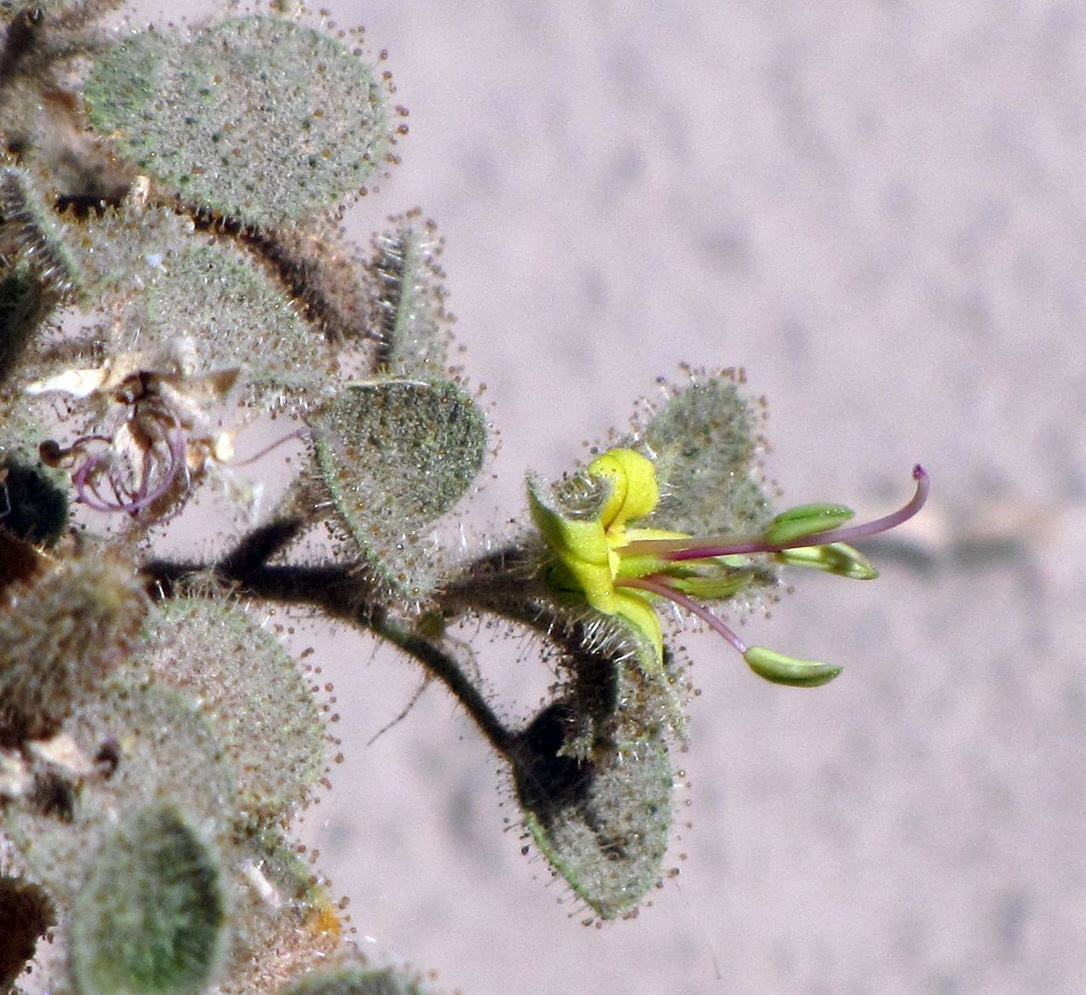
point(877, 209)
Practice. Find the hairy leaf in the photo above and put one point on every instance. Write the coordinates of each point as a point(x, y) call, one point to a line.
point(602, 822)
point(393, 456)
point(260, 118)
point(705, 446)
point(151, 917)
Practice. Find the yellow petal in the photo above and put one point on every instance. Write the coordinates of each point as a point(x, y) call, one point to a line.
point(634, 489)
point(639, 613)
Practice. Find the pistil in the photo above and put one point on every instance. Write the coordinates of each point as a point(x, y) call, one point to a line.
point(709, 547)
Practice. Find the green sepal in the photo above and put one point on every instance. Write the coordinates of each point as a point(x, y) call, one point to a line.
point(780, 669)
point(836, 558)
point(580, 547)
point(805, 520)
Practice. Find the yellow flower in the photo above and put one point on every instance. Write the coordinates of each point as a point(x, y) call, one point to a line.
point(622, 569)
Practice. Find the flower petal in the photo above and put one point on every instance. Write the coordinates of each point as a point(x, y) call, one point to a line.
point(634, 491)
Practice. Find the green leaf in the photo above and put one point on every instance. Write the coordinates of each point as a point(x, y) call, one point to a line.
point(151, 917)
point(392, 457)
point(234, 315)
point(23, 310)
point(162, 745)
point(62, 630)
point(602, 822)
point(353, 980)
point(255, 692)
point(705, 447)
point(260, 118)
point(33, 230)
point(412, 321)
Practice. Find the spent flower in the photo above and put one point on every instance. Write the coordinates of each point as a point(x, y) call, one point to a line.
point(155, 435)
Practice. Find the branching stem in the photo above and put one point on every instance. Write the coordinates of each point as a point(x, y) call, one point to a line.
point(339, 591)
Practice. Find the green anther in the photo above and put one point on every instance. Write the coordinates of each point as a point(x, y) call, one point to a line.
point(780, 669)
point(836, 558)
point(712, 587)
point(805, 520)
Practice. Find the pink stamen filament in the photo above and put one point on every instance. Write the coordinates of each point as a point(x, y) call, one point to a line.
point(80, 480)
point(53, 455)
point(177, 464)
point(125, 499)
point(85, 477)
point(657, 584)
point(707, 547)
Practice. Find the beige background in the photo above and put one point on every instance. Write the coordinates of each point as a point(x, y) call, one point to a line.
point(877, 208)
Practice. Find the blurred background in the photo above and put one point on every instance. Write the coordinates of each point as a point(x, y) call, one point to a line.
point(877, 209)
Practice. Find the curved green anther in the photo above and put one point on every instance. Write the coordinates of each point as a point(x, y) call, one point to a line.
point(780, 669)
point(712, 588)
point(836, 558)
point(805, 520)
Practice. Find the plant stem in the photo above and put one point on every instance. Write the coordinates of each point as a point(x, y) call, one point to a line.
point(340, 591)
point(446, 669)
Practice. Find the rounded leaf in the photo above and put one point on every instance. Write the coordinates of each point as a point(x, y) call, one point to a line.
point(129, 745)
point(265, 715)
point(151, 916)
point(259, 118)
point(62, 630)
point(351, 979)
point(392, 456)
point(602, 822)
point(704, 443)
point(235, 316)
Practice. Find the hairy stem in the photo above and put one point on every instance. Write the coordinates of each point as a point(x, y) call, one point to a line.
point(446, 669)
point(341, 592)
